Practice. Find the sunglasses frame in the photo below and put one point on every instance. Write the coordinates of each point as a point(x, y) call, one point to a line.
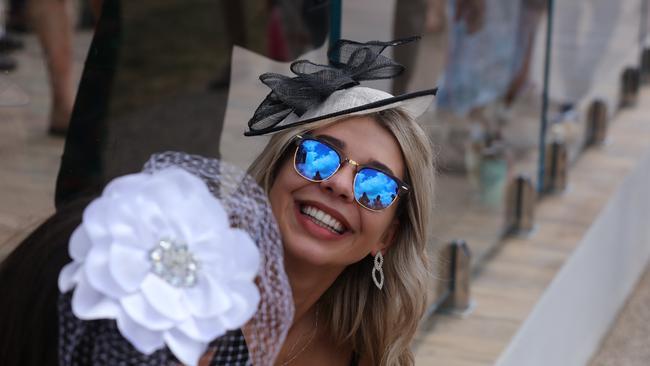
point(402, 188)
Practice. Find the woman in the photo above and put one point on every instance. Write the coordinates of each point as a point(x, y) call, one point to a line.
point(338, 237)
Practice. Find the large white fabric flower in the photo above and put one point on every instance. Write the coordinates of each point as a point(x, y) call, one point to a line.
point(156, 253)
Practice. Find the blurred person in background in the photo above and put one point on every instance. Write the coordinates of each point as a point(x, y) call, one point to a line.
point(9, 42)
point(531, 12)
point(52, 20)
point(429, 19)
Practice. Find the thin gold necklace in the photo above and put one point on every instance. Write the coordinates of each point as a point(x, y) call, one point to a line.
point(311, 338)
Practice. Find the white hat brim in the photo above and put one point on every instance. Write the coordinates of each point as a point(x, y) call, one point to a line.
point(414, 104)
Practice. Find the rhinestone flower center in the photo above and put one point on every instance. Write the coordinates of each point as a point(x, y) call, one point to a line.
point(173, 262)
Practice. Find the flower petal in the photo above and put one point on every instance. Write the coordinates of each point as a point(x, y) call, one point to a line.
point(98, 273)
point(211, 250)
point(127, 221)
point(186, 195)
point(89, 304)
point(152, 224)
point(140, 311)
point(246, 298)
point(122, 230)
point(128, 266)
point(207, 297)
point(69, 276)
point(128, 184)
point(233, 256)
point(143, 339)
point(213, 219)
point(80, 244)
point(187, 350)
point(94, 219)
point(165, 188)
point(203, 329)
point(245, 255)
point(165, 298)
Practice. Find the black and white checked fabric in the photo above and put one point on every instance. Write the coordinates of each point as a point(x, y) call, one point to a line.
point(230, 349)
point(99, 343)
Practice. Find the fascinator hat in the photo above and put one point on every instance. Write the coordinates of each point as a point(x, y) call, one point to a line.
point(320, 92)
point(175, 264)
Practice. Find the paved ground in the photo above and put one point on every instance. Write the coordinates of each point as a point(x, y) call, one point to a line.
point(628, 341)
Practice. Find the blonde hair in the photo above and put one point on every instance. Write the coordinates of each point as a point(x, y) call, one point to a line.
point(379, 324)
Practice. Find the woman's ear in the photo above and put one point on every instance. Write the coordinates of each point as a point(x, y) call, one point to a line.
point(387, 239)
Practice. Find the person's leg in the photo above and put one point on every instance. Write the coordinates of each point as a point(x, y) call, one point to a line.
point(52, 22)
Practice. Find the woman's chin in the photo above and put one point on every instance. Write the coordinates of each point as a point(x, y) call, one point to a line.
point(308, 243)
point(309, 252)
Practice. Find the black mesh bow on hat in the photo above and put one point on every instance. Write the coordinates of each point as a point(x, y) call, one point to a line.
point(292, 98)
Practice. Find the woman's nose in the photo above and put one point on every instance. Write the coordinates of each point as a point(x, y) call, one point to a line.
point(340, 184)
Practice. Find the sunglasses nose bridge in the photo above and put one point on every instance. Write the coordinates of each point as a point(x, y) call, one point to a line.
point(352, 162)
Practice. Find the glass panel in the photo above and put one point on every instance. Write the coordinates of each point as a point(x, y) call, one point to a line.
point(593, 43)
point(485, 125)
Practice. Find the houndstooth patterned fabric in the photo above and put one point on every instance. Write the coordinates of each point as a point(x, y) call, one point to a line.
point(99, 342)
point(230, 350)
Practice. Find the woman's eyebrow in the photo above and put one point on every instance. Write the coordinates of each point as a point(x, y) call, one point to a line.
point(380, 166)
point(341, 145)
point(333, 140)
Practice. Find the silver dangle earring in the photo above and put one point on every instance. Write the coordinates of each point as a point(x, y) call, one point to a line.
point(379, 261)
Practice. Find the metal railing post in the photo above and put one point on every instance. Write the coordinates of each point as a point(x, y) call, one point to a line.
point(458, 257)
point(630, 84)
point(596, 123)
point(520, 205)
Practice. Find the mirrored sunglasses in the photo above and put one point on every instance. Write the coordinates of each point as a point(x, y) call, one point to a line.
point(374, 189)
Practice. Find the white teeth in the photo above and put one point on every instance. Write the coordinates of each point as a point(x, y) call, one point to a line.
point(320, 215)
point(323, 219)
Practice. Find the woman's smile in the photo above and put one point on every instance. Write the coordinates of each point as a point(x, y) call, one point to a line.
point(321, 221)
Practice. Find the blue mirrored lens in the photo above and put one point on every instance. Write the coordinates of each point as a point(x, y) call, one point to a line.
point(374, 189)
point(316, 161)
